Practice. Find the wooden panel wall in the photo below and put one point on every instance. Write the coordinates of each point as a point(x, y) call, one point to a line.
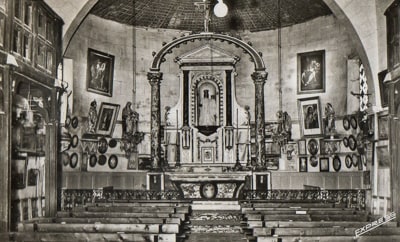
point(90, 180)
point(327, 180)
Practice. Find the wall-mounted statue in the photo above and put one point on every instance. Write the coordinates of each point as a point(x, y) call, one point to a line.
point(284, 124)
point(166, 116)
point(92, 117)
point(130, 120)
point(329, 119)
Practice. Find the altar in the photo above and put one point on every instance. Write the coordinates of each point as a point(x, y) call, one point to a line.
point(209, 185)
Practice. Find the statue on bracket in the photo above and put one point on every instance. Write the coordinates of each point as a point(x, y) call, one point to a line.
point(284, 128)
point(92, 117)
point(330, 127)
point(130, 120)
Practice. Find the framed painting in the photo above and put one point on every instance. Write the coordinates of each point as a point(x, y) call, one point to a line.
point(383, 123)
point(324, 164)
point(303, 164)
point(311, 72)
point(382, 156)
point(272, 148)
point(302, 147)
point(383, 90)
point(107, 118)
point(310, 116)
point(100, 72)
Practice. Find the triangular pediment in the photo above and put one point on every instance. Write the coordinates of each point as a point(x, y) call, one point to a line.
point(207, 53)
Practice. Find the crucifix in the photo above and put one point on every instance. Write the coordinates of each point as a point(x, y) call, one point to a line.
point(205, 6)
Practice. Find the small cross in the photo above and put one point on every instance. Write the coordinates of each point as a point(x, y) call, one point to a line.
point(205, 6)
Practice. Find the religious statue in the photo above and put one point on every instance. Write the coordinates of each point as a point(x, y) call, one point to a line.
point(92, 117)
point(330, 119)
point(130, 120)
point(284, 125)
point(208, 110)
point(248, 114)
point(166, 116)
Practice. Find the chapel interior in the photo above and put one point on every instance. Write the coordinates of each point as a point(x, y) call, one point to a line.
point(200, 120)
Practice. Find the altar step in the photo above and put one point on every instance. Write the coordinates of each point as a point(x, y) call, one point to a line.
point(215, 206)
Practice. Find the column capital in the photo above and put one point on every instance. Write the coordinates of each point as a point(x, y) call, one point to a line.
point(154, 77)
point(259, 76)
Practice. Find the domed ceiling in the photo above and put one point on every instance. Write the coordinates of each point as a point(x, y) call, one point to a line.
point(252, 15)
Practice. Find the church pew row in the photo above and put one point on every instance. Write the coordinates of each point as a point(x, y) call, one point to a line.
point(99, 228)
point(363, 238)
point(143, 203)
point(107, 220)
point(269, 204)
point(302, 211)
point(302, 224)
point(318, 231)
point(181, 216)
point(306, 217)
point(130, 209)
point(34, 236)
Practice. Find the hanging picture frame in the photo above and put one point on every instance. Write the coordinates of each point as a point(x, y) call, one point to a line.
point(100, 72)
point(303, 164)
point(310, 116)
point(324, 164)
point(383, 123)
point(302, 147)
point(107, 119)
point(311, 72)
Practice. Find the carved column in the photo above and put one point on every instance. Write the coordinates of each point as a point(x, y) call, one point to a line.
point(155, 79)
point(259, 78)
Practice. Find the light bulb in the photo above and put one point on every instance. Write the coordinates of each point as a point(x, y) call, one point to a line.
point(220, 9)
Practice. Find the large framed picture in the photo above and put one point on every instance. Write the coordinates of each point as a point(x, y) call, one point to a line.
point(311, 72)
point(100, 72)
point(107, 118)
point(310, 116)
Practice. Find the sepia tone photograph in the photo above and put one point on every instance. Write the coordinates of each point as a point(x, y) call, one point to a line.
point(200, 120)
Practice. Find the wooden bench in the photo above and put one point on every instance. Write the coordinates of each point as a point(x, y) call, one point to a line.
point(98, 228)
point(365, 238)
point(181, 216)
point(324, 231)
point(137, 237)
point(107, 220)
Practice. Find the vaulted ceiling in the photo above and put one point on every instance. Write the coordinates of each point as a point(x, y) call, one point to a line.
point(252, 15)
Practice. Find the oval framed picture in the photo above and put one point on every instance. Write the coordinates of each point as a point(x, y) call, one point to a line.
point(337, 163)
point(346, 122)
point(353, 122)
point(346, 142)
point(67, 122)
point(102, 145)
point(312, 146)
point(352, 142)
point(113, 161)
point(208, 190)
point(65, 158)
point(92, 160)
point(313, 161)
point(74, 122)
point(74, 141)
point(73, 161)
point(348, 161)
point(355, 159)
point(102, 160)
point(113, 143)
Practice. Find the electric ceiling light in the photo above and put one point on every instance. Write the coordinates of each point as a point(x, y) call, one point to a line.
point(220, 9)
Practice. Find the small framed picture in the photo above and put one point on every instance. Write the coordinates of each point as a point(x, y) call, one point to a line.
point(310, 116)
point(100, 72)
point(272, 148)
point(324, 164)
point(207, 154)
point(303, 164)
point(107, 118)
point(302, 147)
point(311, 72)
point(383, 122)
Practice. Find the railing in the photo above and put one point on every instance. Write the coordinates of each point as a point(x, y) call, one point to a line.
point(71, 198)
point(351, 198)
